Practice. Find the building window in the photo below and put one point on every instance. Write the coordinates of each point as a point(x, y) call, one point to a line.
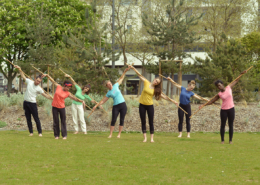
point(129, 28)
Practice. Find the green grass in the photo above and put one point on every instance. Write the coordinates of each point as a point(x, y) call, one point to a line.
point(95, 159)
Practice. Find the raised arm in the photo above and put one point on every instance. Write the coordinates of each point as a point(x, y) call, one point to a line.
point(235, 81)
point(174, 83)
point(104, 100)
point(138, 74)
point(120, 80)
point(21, 72)
point(73, 82)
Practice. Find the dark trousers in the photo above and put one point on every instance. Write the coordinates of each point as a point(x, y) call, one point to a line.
point(181, 115)
point(31, 109)
point(224, 115)
point(150, 111)
point(56, 125)
point(122, 109)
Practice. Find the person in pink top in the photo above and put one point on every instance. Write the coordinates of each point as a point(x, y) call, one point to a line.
point(227, 108)
point(58, 107)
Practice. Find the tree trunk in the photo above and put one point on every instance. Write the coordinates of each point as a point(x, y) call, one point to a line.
point(168, 87)
point(9, 85)
point(172, 77)
point(20, 84)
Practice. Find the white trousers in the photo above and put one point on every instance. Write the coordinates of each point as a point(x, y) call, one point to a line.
point(78, 112)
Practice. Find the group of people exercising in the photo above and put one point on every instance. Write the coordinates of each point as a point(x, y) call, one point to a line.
point(150, 90)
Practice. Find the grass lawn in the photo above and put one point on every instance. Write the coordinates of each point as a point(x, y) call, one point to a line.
point(95, 159)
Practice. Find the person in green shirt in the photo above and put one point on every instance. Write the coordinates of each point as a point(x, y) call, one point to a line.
point(77, 108)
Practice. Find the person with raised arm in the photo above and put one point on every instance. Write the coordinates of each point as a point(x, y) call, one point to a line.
point(77, 108)
point(119, 105)
point(185, 95)
point(58, 106)
point(150, 90)
point(227, 111)
point(29, 104)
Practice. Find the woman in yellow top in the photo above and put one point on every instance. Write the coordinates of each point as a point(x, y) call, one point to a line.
point(146, 102)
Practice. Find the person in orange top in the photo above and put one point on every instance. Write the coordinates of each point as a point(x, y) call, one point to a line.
point(58, 107)
point(146, 102)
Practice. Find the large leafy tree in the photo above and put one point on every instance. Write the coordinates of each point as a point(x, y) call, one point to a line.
point(226, 63)
point(16, 14)
point(170, 31)
point(89, 54)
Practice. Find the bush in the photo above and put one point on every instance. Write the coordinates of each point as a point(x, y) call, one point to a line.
point(2, 124)
point(68, 102)
point(41, 100)
point(4, 101)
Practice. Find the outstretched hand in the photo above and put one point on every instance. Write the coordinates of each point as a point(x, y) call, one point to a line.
point(176, 104)
point(44, 75)
point(17, 67)
point(243, 72)
point(200, 106)
point(94, 107)
point(66, 75)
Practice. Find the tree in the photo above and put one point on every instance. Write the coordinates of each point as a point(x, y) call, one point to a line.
point(226, 63)
point(252, 43)
point(169, 32)
point(224, 17)
point(93, 53)
point(15, 14)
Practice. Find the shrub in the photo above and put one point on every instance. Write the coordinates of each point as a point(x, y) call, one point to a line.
point(2, 124)
point(68, 102)
point(41, 100)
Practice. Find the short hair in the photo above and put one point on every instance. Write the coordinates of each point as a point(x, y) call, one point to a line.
point(87, 86)
point(40, 76)
point(217, 82)
point(67, 82)
point(192, 82)
point(105, 82)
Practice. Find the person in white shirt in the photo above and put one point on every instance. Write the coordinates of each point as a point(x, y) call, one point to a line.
point(29, 104)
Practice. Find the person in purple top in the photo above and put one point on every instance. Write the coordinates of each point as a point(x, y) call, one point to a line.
point(185, 95)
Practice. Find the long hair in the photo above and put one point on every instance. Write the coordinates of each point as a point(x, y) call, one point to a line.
point(158, 90)
point(87, 86)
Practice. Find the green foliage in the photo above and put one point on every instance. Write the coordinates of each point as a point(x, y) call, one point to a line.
point(87, 120)
point(16, 99)
point(89, 54)
point(48, 107)
point(252, 43)
point(41, 100)
point(229, 60)
point(15, 15)
point(68, 102)
point(2, 124)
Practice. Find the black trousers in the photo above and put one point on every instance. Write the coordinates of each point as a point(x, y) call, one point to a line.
point(120, 108)
point(31, 109)
point(181, 114)
point(56, 125)
point(150, 111)
point(224, 115)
